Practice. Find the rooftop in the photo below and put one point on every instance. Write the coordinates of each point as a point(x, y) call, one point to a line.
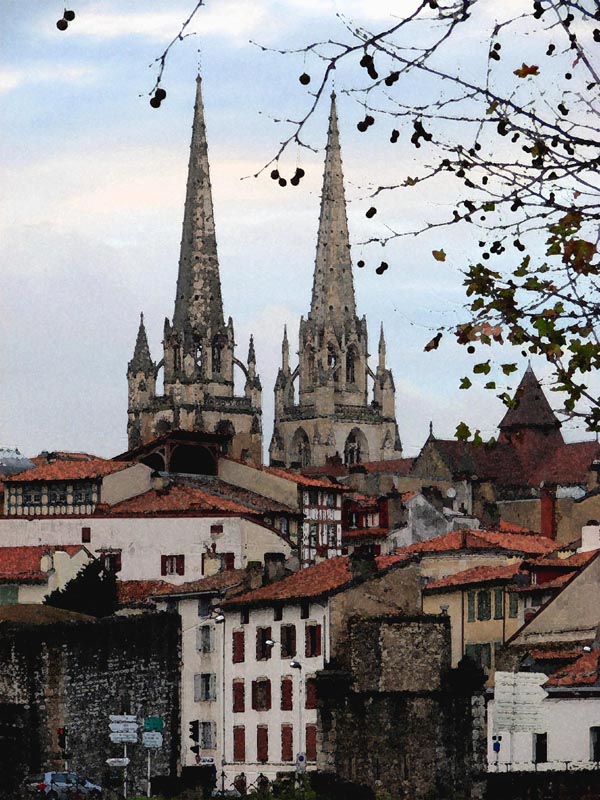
point(225, 579)
point(63, 470)
point(38, 614)
point(475, 576)
point(23, 564)
point(137, 594)
point(474, 540)
point(582, 672)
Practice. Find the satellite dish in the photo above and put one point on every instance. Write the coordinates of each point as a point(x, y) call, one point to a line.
point(451, 493)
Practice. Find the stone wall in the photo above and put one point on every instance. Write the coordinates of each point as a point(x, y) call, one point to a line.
point(400, 721)
point(73, 675)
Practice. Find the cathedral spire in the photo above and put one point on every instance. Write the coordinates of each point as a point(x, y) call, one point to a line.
point(142, 360)
point(198, 303)
point(333, 290)
point(381, 348)
point(285, 351)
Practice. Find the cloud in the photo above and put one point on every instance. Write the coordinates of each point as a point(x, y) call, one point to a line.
point(67, 74)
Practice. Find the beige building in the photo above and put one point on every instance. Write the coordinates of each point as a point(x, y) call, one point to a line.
point(29, 573)
point(334, 412)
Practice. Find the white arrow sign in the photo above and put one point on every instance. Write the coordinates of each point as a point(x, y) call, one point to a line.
point(518, 701)
point(124, 737)
point(123, 727)
point(152, 739)
point(117, 762)
point(122, 718)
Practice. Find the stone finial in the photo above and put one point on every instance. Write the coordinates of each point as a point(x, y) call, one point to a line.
point(251, 351)
point(285, 351)
point(142, 360)
point(382, 348)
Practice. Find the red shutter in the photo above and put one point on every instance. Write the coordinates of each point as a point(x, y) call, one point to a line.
point(311, 693)
point(292, 640)
point(229, 560)
point(255, 695)
point(317, 641)
point(286, 694)
point(311, 742)
point(238, 646)
point(180, 565)
point(86, 535)
point(259, 644)
point(239, 743)
point(117, 562)
point(238, 696)
point(267, 695)
point(266, 648)
point(307, 648)
point(287, 743)
point(163, 565)
point(262, 743)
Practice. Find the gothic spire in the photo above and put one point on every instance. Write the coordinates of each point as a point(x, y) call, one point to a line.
point(285, 351)
point(198, 303)
point(142, 360)
point(381, 349)
point(333, 289)
point(251, 351)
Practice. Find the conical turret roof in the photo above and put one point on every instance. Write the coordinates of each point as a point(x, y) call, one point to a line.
point(142, 360)
point(532, 409)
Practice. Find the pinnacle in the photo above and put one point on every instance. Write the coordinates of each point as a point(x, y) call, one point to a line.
point(142, 360)
point(251, 351)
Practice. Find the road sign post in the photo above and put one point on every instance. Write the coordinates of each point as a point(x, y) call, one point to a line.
point(123, 729)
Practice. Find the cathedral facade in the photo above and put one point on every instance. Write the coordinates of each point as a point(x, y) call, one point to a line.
point(332, 404)
point(199, 347)
point(325, 407)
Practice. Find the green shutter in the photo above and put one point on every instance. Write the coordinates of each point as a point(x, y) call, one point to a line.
point(513, 605)
point(9, 595)
point(471, 607)
point(484, 605)
point(498, 603)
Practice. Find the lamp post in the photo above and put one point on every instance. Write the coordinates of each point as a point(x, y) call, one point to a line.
point(297, 665)
point(220, 620)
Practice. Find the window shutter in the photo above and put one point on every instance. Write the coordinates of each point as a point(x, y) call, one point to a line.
point(498, 604)
point(213, 686)
point(238, 646)
point(229, 560)
point(311, 742)
point(262, 743)
point(307, 652)
point(118, 561)
point(317, 651)
point(259, 644)
point(292, 640)
point(267, 695)
point(311, 693)
point(255, 695)
point(197, 688)
point(238, 696)
point(471, 607)
point(286, 694)
point(287, 743)
point(239, 743)
point(199, 641)
point(163, 565)
point(211, 640)
point(86, 535)
point(180, 565)
point(266, 648)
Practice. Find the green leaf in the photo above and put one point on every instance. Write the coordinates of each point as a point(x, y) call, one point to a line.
point(507, 369)
point(462, 432)
point(482, 369)
point(465, 383)
point(490, 385)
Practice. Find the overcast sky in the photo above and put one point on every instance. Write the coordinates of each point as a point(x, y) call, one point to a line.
point(93, 184)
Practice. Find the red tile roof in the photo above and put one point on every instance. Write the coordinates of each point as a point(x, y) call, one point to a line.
point(569, 464)
point(137, 593)
point(555, 583)
point(569, 563)
point(303, 480)
point(582, 672)
point(392, 466)
point(322, 579)
point(177, 498)
point(224, 579)
point(23, 564)
point(475, 575)
point(511, 527)
point(70, 470)
point(365, 533)
point(528, 544)
point(39, 614)
point(553, 654)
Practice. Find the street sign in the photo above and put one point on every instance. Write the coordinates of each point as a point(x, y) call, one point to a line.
point(206, 760)
point(518, 700)
point(123, 727)
point(152, 738)
point(117, 762)
point(122, 718)
point(301, 762)
point(124, 737)
point(154, 724)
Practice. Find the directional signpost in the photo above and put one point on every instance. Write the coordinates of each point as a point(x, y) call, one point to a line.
point(152, 738)
point(123, 730)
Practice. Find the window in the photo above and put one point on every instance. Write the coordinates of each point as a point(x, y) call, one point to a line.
point(216, 530)
point(205, 639)
point(353, 519)
point(111, 560)
point(513, 605)
point(238, 646)
point(350, 371)
point(216, 355)
point(86, 535)
point(595, 743)
point(313, 497)
point(263, 650)
point(283, 525)
point(208, 735)
point(31, 496)
point(311, 742)
point(204, 606)
point(9, 595)
point(332, 536)
point(310, 698)
point(287, 743)
point(244, 616)
point(277, 613)
point(83, 495)
point(228, 560)
point(172, 565)
point(287, 694)
point(239, 743)
point(330, 499)
point(262, 743)
point(471, 607)
point(57, 494)
point(312, 641)
point(304, 609)
point(540, 748)
point(498, 603)
point(484, 605)
point(261, 694)
point(313, 532)
point(205, 686)
point(239, 696)
point(480, 654)
point(287, 634)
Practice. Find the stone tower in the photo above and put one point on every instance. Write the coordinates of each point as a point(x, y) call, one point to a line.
point(199, 347)
point(333, 414)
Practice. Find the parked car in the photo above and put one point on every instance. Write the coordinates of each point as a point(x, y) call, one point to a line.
point(60, 786)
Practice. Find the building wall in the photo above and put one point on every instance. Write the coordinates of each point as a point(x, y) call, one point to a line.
point(143, 540)
point(75, 674)
point(130, 482)
point(257, 480)
point(439, 565)
point(64, 567)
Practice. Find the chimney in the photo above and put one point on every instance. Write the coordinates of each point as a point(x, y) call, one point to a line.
point(590, 536)
point(362, 563)
point(274, 569)
point(548, 511)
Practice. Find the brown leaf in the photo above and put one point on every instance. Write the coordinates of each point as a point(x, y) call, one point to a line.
point(439, 255)
point(525, 70)
point(433, 344)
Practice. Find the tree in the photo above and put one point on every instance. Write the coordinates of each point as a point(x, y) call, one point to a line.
point(509, 134)
point(92, 591)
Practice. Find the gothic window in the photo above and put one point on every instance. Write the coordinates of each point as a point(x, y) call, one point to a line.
point(310, 360)
point(216, 355)
point(332, 361)
point(199, 355)
point(351, 366)
point(177, 358)
point(355, 449)
point(301, 449)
